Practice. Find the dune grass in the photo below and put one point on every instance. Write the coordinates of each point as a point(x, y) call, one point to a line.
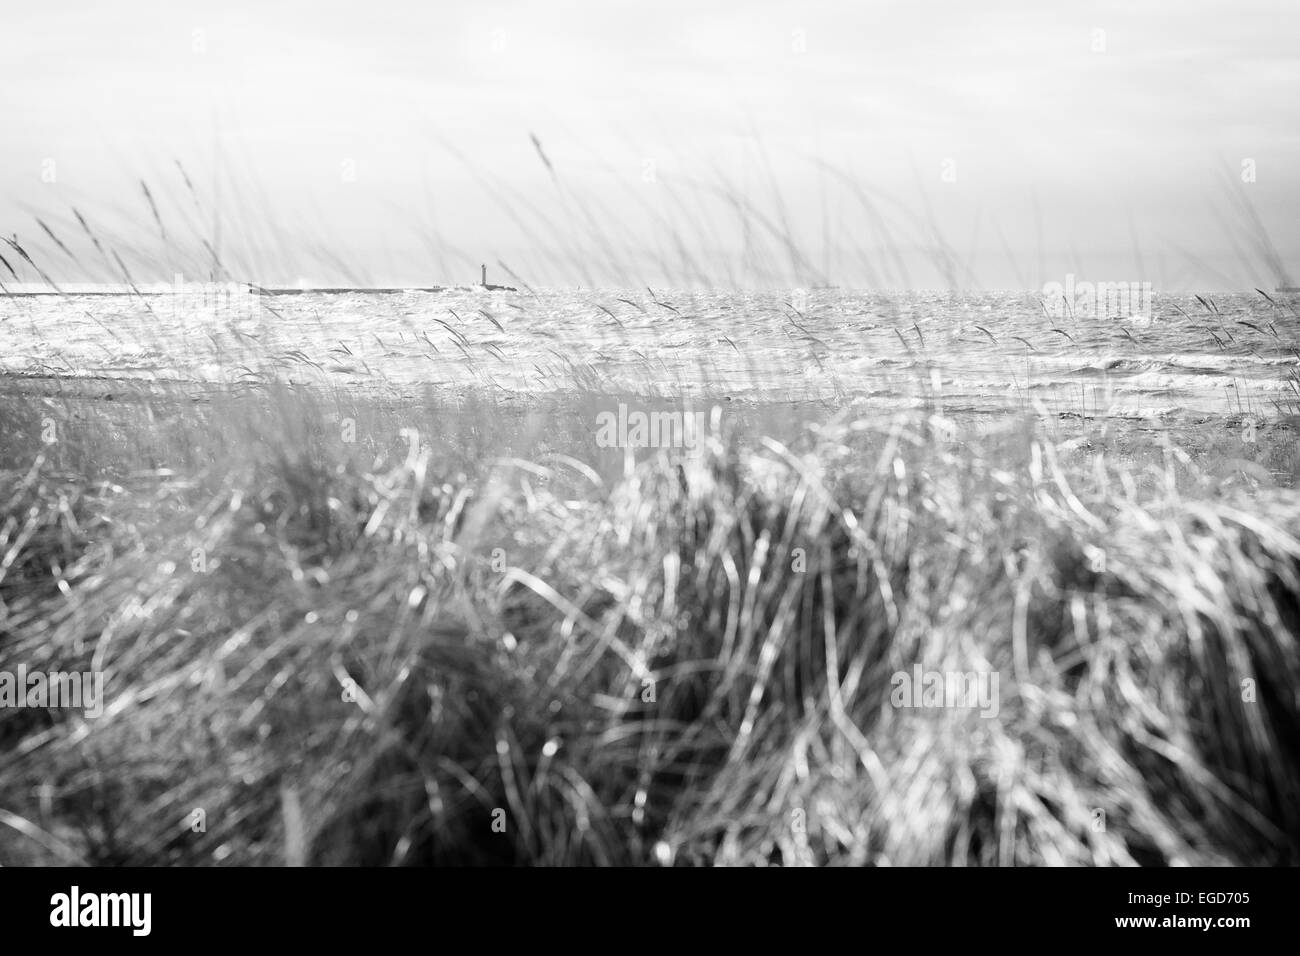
point(346, 627)
point(374, 653)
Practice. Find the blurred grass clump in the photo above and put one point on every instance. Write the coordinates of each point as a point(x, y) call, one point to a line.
point(372, 653)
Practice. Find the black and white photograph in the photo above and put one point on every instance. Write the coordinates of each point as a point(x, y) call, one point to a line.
point(638, 435)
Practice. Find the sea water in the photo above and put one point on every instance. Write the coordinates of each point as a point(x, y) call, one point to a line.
point(1179, 357)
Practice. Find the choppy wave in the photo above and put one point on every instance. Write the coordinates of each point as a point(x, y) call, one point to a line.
point(989, 350)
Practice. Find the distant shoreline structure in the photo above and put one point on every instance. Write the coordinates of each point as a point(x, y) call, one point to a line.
point(159, 289)
point(179, 287)
point(72, 290)
point(217, 289)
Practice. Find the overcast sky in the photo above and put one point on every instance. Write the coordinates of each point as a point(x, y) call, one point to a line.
point(390, 141)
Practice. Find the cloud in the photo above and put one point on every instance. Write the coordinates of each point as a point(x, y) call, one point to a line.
point(1016, 94)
